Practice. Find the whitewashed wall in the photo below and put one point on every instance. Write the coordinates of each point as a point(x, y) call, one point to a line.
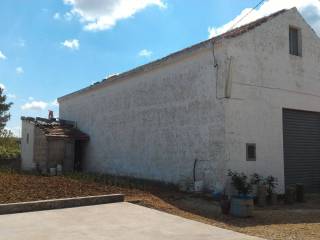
point(27, 149)
point(155, 123)
point(265, 79)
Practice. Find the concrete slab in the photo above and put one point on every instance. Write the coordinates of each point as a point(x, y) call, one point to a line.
point(115, 221)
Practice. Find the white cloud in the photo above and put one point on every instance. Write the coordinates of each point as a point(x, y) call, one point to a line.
point(38, 105)
point(55, 103)
point(111, 75)
point(19, 70)
point(34, 105)
point(68, 16)
point(98, 15)
point(145, 53)
point(10, 95)
point(2, 56)
point(56, 16)
point(15, 130)
point(310, 10)
point(73, 44)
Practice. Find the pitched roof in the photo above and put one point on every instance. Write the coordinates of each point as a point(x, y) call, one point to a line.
point(227, 35)
point(60, 131)
point(247, 27)
point(58, 128)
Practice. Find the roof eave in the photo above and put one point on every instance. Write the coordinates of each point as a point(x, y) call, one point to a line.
point(230, 34)
point(67, 137)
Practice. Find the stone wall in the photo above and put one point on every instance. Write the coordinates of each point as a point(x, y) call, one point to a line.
point(40, 149)
point(61, 152)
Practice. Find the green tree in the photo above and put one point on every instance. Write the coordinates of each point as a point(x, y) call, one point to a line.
point(4, 110)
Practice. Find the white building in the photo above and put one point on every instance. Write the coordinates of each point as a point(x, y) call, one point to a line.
point(248, 100)
point(47, 143)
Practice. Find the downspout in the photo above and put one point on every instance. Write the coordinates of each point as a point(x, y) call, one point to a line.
point(216, 67)
point(228, 80)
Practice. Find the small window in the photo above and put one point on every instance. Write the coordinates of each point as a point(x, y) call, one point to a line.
point(251, 152)
point(295, 41)
point(27, 138)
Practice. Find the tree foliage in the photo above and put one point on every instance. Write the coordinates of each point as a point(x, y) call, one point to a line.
point(4, 110)
point(9, 145)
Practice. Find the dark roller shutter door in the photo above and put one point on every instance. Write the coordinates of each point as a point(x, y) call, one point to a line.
point(301, 139)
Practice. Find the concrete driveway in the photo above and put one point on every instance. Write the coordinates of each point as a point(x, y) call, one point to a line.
point(116, 221)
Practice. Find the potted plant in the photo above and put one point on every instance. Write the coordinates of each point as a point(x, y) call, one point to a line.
point(290, 195)
point(271, 183)
point(260, 189)
point(225, 203)
point(255, 180)
point(242, 203)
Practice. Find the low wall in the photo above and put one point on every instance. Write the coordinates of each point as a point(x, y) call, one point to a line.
point(11, 163)
point(59, 203)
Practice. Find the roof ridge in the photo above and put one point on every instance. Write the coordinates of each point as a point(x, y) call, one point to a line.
point(248, 26)
point(229, 34)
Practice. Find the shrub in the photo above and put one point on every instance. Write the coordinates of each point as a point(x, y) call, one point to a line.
point(271, 183)
point(9, 145)
point(257, 179)
point(240, 182)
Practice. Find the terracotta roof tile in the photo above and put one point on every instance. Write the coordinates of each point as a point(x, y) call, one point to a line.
point(63, 131)
point(58, 129)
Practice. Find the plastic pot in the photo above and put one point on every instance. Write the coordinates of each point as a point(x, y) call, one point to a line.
point(290, 196)
point(225, 205)
point(242, 206)
point(273, 199)
point(300, 192)
point(262, 195)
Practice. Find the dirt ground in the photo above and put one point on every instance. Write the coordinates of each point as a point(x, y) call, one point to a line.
point(298, 221)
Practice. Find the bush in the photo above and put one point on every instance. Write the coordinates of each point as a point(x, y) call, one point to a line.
point(9, 146)
point(271, 183)
point(257, 179)
point(240, 182)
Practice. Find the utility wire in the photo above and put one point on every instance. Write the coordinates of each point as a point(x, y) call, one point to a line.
point(246, 14)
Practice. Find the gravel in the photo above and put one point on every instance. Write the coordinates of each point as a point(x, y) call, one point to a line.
point(292, 222)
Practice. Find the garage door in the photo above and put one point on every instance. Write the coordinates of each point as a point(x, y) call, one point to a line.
point(301, 139)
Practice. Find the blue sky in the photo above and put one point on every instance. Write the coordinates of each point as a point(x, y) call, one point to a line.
point(49, 48)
